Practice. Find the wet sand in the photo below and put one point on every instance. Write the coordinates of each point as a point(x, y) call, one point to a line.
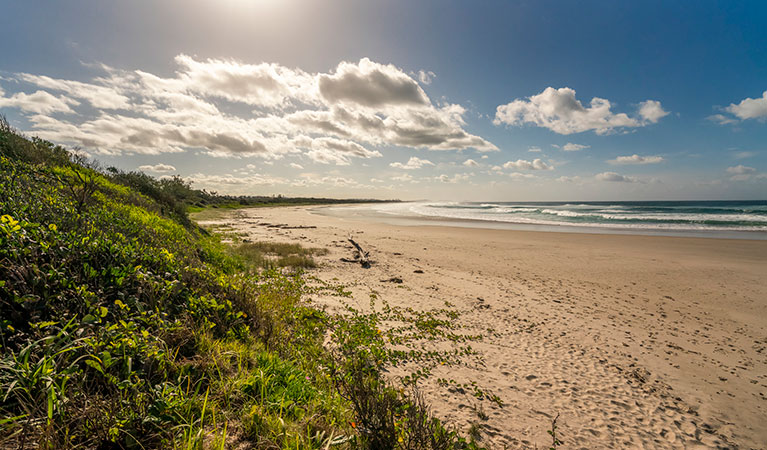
point(635, 341)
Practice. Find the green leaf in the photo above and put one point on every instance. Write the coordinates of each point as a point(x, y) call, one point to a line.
point(89, 319)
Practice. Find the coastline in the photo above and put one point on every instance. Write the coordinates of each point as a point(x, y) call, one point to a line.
point(367, 213)
point(636, 341)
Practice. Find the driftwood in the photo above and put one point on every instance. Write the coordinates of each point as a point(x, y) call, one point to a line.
point(360, 256)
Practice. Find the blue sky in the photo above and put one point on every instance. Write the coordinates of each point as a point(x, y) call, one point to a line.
point(489, 100)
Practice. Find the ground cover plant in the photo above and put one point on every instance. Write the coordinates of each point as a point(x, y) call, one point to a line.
point(124, 325)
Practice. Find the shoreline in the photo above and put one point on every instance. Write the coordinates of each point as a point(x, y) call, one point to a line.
point(363, 212)
point(636, 341)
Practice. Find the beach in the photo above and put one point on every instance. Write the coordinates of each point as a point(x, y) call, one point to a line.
point(631, 341)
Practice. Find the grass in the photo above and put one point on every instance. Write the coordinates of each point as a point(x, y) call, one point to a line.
point(274, 254)
point(124, 325)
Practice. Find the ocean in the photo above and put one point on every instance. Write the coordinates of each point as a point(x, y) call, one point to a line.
point(743, 219)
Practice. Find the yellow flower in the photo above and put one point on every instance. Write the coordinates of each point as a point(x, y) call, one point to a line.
point(52, 227)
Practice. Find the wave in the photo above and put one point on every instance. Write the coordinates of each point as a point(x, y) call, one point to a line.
point(718, 217)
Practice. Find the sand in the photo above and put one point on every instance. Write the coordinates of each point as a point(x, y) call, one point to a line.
point(634, 341)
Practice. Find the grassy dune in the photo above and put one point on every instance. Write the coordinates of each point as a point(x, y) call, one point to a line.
point(125, 325)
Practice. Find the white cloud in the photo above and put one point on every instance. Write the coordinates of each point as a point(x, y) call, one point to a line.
point(470, 163)
point(521, 164)
point(39, 102)
point(521, 176)
point(426, 76)
point(559, 111)
point(574, 179)
point(721, 119)
point(744, 173)
point(102, 97)
point(615, 177)
point(330, 150)
point(484, 157)
point(570, 147)
point(652, 111)
point(457, 178)
point(405, 177)
point(158, 168)
point(413, 163)
point(750, 108)
point(296, 166)
point(372, 85)
point(743, 155)
point(636, 159)
point(534, 150)
point(330, 117)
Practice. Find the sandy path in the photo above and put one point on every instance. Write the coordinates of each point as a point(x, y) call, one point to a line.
point(635, 341)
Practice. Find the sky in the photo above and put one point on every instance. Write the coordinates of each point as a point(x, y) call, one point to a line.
point(437, 99)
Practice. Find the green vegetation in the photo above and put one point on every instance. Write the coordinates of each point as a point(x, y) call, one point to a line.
point(275, 254)
point(124, 325)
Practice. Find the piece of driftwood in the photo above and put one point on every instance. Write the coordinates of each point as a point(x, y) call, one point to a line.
point(360, 256)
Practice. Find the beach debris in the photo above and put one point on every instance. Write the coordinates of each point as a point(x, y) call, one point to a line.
point(397, 280)
point(284, 226)
point(418, 271)
point(360, 256)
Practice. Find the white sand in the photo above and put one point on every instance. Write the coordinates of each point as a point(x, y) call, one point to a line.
point(636, 341)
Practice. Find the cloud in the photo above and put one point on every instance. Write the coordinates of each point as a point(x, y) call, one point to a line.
point(227, 108)
point(559, 111)
point(470, 163)
point(636, 159)
point(296, 166)
point(750, 108)
point(426, 77)
point(371, 85)
point(158, 168)
point(570, 147)
point(615, 177)
point(102, 97)
point(721, 119)
point(413, 163)
point(330, 150)
point(457, 178)
point(574, 179)
point(743, 155)
point(521, 164)
point(652, 111)
point(521, 176)
point(741, 170)
point(39, 102)
point(534, 150)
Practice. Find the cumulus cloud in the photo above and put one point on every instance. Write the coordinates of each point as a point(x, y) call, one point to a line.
point(559, 111)
point(636, 159)
point(227, 108)
point(413, 163)
point(426, 76)
point(39, 102)
point(470, 163)
point(296, 166)
point(615, 177)
point(372, 85)
point(652, 111)
point(521, 164)
point(570, 147)
point(750, 108)
point(740, 169)
point(158, 168)
point(534, 150)
point(457, 178)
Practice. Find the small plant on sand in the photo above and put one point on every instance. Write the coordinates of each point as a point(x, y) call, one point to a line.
point(555, 441)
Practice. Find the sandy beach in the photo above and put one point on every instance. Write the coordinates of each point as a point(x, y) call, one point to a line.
point(634, 341)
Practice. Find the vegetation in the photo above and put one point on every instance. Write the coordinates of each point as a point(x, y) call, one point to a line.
point(124, 325)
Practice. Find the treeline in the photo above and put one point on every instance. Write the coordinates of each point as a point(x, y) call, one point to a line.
point(125, 326)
